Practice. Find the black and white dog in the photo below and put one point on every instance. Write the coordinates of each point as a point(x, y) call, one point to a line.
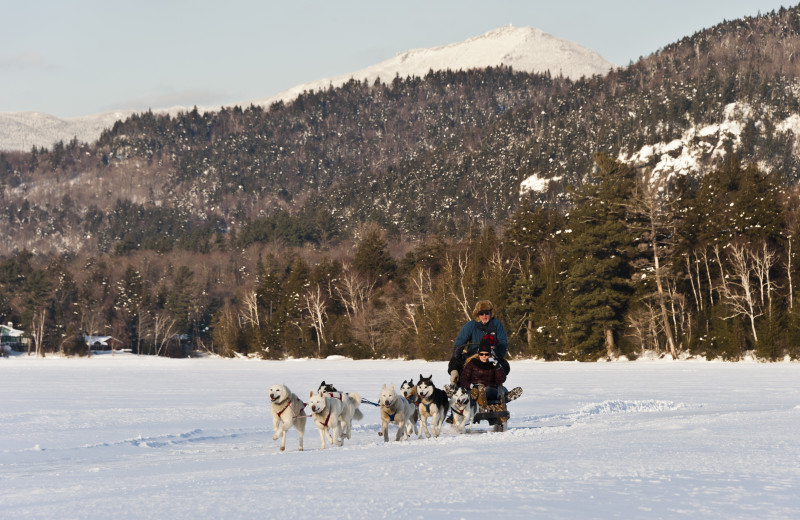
point(464, 409)
point(329, 390)
point(433, 403)
point(409, 391)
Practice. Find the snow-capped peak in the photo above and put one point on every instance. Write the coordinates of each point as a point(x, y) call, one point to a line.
point(522, 48)
point(526, 49)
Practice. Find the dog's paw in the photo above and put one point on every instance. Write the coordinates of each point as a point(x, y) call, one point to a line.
point(275, 437)
point(283, 448)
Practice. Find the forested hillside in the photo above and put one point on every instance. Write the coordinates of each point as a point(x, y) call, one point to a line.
point(366, 220)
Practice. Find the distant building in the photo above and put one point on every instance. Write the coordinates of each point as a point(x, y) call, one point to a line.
point(102, 342)
point(13, 339)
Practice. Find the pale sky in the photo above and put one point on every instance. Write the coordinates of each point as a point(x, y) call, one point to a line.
point(71, 58)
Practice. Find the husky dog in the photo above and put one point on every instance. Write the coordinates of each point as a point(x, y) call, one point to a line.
point(409, 391)
point(326, 387)
point(287, 411)
point(329, 390)
point(433, 403)
point(464, 409)
point(331, 413)
point(394, 409)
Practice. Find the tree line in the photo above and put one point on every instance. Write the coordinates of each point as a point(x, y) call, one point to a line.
point(634, 264)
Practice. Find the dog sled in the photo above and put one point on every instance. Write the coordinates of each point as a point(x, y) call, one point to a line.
point(495, 412)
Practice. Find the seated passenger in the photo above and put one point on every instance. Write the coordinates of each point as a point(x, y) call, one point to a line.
point(484, 369)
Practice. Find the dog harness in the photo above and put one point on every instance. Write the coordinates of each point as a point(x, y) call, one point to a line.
point(327, 419)
point(391, 416)
point(288, 403)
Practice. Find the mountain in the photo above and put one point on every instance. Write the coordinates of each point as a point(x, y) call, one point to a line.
point(526, 49)
point(440, 153)
point(522, 48)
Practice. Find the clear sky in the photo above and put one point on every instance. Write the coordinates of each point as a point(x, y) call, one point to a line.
point(78, 57)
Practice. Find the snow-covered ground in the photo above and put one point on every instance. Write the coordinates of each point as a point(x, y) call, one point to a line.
point(128, 437)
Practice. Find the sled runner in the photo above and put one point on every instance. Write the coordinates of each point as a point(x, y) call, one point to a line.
point(495, 412)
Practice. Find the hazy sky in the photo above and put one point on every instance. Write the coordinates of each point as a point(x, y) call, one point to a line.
point(79, 57)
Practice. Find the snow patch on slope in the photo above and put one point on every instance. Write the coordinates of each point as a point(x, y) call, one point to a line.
point(702, 145)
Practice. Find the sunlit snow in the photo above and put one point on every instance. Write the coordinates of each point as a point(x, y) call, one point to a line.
point(127, 437)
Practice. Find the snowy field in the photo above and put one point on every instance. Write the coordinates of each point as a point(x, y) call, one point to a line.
point(128, 437)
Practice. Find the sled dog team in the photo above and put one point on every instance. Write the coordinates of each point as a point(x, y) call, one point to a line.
point(334, 411)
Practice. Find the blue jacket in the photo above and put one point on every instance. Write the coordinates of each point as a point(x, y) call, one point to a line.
point(472, 332)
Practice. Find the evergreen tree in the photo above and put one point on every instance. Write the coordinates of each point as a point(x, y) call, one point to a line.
point(599, 252)
point(372, 258)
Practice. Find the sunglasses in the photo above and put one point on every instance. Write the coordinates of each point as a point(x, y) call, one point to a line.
point(485, 313)
point(484, 354)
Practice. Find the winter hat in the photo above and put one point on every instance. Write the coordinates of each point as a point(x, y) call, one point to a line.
point(483, 305)
point(487, 343)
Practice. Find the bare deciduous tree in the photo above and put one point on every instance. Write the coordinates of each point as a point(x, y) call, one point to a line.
point(316, 305)
point(738, 292)
point(163, 330)
point(37, 324)
point(353, 291)
point(457, 270)
point(649, 202)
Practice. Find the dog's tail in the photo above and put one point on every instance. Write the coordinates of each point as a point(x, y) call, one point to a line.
point(356, 400)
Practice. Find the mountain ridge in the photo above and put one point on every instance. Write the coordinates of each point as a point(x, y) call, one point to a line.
point(526, 49)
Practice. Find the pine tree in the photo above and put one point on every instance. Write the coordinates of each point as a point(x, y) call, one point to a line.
point(600, 252)
point(372, 257)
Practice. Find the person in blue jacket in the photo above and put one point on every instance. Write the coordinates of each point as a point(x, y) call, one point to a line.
point(483, 323)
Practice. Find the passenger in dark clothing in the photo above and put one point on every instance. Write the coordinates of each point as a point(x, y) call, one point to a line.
point(483, 369)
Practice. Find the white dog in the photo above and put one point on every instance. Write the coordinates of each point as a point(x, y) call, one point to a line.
point(287, 411)
point(464, 409)
point(433, 403)
point(332, 414)
point(394, 409)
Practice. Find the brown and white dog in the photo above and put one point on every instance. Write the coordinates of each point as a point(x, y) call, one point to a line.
point(394, 409)
point(287, 411)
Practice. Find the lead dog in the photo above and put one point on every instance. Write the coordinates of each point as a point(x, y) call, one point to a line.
point(433, 403)
point(464, 409)
point(334, 414)
point(394, 409)
point(287, 411)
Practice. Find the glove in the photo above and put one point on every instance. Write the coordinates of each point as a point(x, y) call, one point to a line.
point(493, 361)
point(454, 377)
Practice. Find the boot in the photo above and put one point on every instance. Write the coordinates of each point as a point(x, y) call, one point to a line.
point(514, 393)
point(478, 393)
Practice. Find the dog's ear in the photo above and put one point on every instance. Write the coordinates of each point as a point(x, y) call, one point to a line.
point(420, 377)
point(430, 376)
point(310, 393)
